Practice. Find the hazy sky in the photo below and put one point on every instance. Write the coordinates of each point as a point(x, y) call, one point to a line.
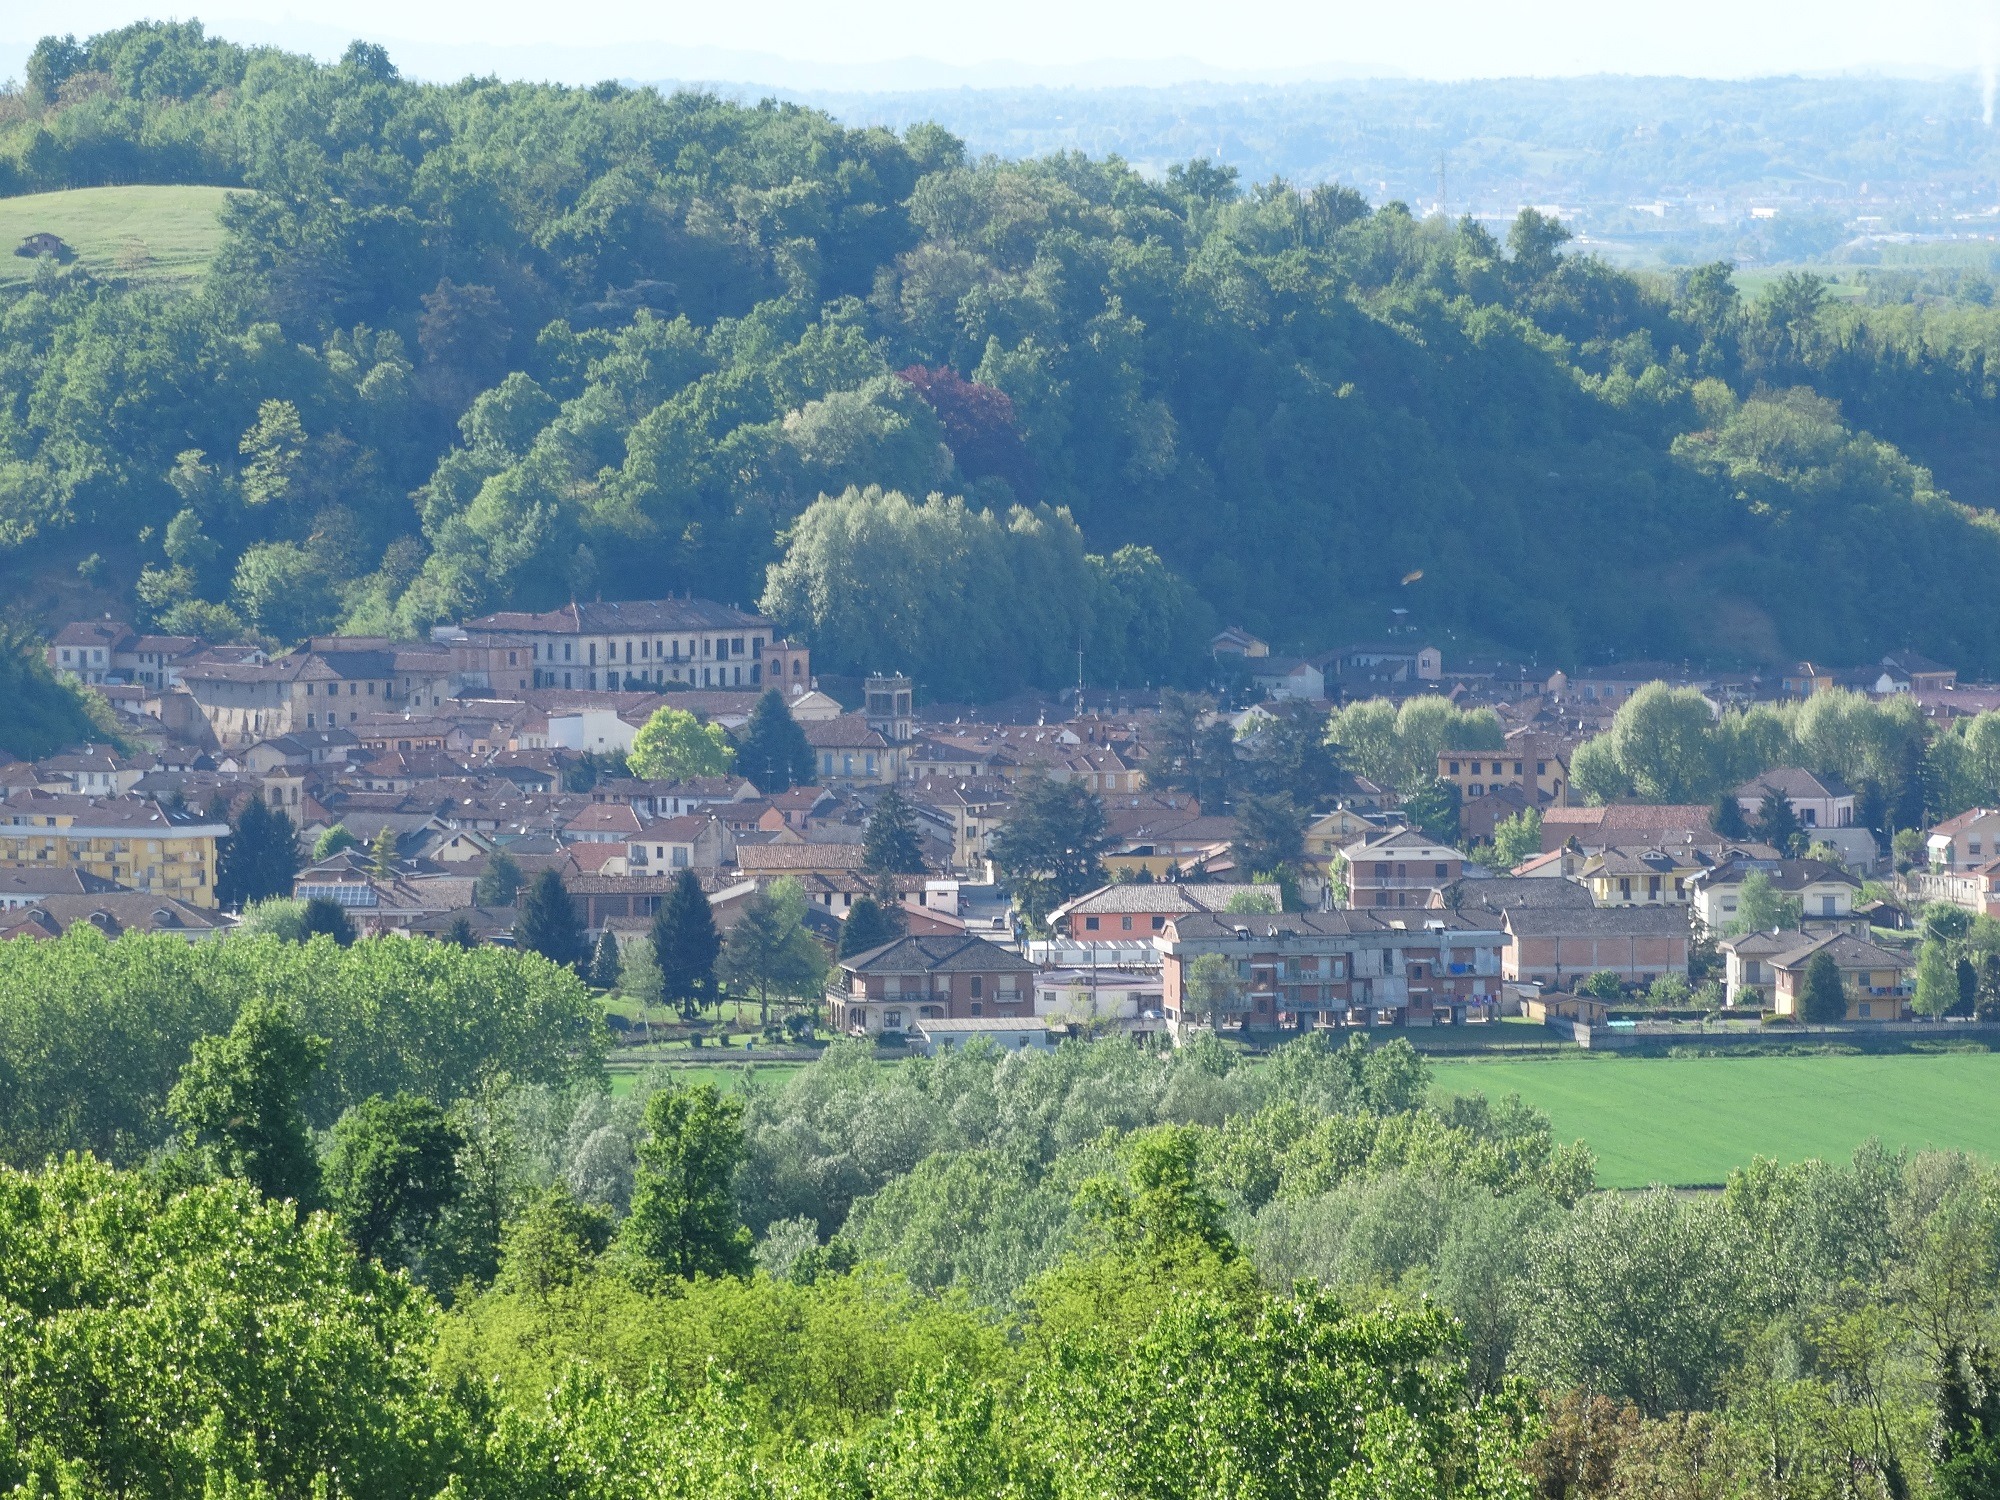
point(871, 43)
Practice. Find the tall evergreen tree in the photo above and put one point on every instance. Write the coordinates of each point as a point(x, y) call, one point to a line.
point(1910, 792)
point(604, 963)
point(770, 952)
point(869, 924)
point(685, 945)
point(775, 753)
point(892, 845)
point(1825, 1000)
point(549, 925)
point(1052, 847)
point(499, 883)
point(260, 857)
point(1728, 819)
point(322, 917)
point(1778, 821)
point(1270, 832)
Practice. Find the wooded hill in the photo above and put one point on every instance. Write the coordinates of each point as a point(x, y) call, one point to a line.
point(497, 344)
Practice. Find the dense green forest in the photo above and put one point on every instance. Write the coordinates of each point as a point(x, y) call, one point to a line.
point(369, 1222)
point(495, 344)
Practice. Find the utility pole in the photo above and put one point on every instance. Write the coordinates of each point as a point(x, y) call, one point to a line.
point(1444, 201)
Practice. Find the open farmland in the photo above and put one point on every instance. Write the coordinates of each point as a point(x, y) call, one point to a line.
point(143, 233)
point(1687, 1121)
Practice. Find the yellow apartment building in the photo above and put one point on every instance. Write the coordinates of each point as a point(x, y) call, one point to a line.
point(126, 839)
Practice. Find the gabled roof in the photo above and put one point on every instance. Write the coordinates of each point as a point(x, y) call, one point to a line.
point(112, 912)
point(1761, 944)
point(1785, 874)
point(1794, 784)
point(1500, 893)
point(1964, 820)
point(1158, 896)
point(1617, 861)
point(848, 732)
point(603, 817)
point(1410, 843)
point(1629, 817)
point(1914, 662)
point(34, 882)
point(106, 633)
point(937, 953)
point(1847, 953)
point(799, 856)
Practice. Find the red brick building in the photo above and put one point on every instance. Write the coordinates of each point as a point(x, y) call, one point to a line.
point(1560, 945)
point(929, 977)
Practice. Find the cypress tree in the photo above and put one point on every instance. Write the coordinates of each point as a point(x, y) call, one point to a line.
point(1728, 817)
point(775, 753)
point(604, 967)
point(868, 925)
point(685, 945)
point(548, 923)
point(892, 846)
point(260, 857)
point(326, 917)
point(1825, 1000)
point(382, 852)
point(499, 883)
point(1777, 822)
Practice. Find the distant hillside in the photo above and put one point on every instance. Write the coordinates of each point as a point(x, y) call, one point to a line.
point(1652, 168)
point(498, 344)
point(141, 234)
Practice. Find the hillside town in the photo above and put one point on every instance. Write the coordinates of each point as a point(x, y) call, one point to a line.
point(408, 771)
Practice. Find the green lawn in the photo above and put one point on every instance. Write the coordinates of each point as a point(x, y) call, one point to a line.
point(158, 234)
point(725, 1076)
point(1691, 1120)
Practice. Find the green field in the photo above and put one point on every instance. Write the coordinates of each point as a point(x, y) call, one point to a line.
point(726, 1076)
point(1691, 1120)
point(154, 234)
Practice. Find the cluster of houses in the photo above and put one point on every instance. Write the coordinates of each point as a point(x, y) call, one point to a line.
point(493, 737)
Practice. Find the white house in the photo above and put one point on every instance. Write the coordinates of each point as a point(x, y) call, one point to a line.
point(1819, 801)
point(1825, 893)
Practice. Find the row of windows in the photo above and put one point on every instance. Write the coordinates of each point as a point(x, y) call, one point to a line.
point(353, 689)
point(1090, 924)
point(656, 650)
point(1382, 870)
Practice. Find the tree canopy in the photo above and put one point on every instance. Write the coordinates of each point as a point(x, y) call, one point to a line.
point(962, 418)
point(673, 745)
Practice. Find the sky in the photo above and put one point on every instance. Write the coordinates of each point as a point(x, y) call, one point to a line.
point(887, 44)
